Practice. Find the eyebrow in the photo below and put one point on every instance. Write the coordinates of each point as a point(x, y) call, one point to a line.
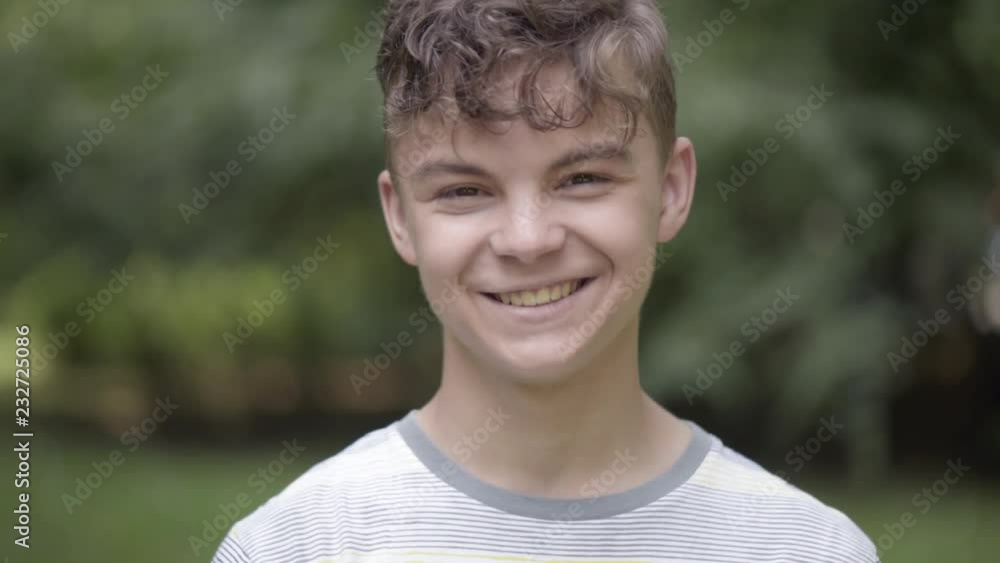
point(597, 150)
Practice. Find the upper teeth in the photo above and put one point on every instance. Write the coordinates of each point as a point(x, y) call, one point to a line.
point(540, 296)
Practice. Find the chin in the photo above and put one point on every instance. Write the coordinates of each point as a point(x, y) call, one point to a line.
point(539, 363)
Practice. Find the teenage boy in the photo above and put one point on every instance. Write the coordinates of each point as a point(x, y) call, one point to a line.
point(532, 164)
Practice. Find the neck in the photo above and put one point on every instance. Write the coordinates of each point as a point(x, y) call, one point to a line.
point(553, 439)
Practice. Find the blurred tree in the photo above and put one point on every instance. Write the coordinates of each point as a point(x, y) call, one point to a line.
point(126, 203)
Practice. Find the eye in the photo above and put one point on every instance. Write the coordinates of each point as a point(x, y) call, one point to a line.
point(584, 178)
point(461, 192)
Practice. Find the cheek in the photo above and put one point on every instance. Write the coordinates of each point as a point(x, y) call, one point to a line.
point(620, 227)
point(453, 237)
point(445, 247)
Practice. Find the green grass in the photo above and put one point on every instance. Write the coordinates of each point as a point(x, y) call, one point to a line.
point(151, 504)
point(962, 527)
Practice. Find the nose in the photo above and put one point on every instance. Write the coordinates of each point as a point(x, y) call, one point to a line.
point(528, 234)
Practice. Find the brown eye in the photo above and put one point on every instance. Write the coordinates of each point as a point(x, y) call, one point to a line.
point(462, 191)
point(584, 178)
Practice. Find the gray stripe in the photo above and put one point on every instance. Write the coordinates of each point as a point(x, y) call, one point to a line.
point(548, 508)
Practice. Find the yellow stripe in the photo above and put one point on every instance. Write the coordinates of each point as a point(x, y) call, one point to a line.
point(480, 556)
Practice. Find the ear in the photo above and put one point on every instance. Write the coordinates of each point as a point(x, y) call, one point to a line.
point(396, 219)
point(677, 190)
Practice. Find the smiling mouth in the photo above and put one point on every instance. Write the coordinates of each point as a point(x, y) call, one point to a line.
point(541, 296)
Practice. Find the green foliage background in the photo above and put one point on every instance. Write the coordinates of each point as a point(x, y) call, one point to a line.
point(194, 278)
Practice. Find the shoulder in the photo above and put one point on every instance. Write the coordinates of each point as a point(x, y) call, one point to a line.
point(322, 506)
point(759, 504)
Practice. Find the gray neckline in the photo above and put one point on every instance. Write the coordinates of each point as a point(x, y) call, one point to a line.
point(584, 508)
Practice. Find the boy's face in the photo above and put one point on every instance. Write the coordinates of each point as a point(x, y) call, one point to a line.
point(517, 217)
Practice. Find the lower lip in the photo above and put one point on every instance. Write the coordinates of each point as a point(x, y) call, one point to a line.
point(539, 314)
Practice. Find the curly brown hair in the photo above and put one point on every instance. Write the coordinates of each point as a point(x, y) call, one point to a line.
point(448, 56)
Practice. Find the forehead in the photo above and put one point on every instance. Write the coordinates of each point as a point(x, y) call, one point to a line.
point(443, 131)
point(515, 146)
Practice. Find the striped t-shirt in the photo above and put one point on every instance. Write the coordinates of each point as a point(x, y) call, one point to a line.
point(393, 496)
